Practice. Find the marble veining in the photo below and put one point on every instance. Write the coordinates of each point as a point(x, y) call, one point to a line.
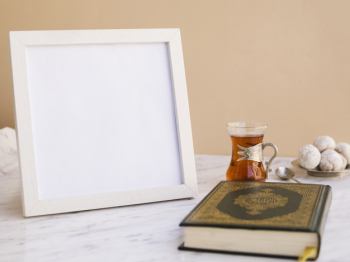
point(147, 232)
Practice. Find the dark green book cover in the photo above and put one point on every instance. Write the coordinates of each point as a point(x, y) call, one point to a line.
point(263, 205)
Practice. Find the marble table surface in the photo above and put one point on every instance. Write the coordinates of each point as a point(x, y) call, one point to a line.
point(147, 232)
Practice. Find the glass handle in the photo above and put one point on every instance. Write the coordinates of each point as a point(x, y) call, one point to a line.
point(268, 163)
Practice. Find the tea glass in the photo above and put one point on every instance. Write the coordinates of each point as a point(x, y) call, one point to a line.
point(247, 152)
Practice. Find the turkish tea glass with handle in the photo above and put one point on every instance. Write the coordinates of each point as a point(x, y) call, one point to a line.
point(247, 152)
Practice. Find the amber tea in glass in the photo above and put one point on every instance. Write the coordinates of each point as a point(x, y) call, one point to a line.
point(247, 152)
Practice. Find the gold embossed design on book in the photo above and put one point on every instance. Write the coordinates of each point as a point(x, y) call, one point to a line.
point(208, 212)
point(266, 199)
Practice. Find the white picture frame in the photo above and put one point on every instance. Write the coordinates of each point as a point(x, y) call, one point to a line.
point(77, 155)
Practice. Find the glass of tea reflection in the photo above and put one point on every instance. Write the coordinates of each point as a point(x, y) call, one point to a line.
point(247, 152)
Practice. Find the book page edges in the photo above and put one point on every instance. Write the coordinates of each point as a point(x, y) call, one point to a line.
point(276, 243)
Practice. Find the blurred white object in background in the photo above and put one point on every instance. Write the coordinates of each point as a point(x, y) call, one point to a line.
point(8, 151)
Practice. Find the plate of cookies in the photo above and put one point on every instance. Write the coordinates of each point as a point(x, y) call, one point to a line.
point(324, 158)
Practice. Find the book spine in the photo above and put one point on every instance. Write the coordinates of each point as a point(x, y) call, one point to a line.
point(321, 214)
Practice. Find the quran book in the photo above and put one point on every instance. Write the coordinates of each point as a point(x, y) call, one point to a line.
point(259, 218)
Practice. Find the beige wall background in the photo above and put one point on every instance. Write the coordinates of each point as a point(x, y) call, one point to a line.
point(286, 63)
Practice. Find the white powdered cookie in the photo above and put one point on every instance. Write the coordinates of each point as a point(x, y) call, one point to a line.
point(331, 161)
point(324, 142)
point(309, 157)
point(344, 149)
point(345, 163)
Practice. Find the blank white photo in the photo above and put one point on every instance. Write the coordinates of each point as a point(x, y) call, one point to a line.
point(103, 118)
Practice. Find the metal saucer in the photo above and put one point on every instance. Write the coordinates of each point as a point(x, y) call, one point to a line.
point(320, 173)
